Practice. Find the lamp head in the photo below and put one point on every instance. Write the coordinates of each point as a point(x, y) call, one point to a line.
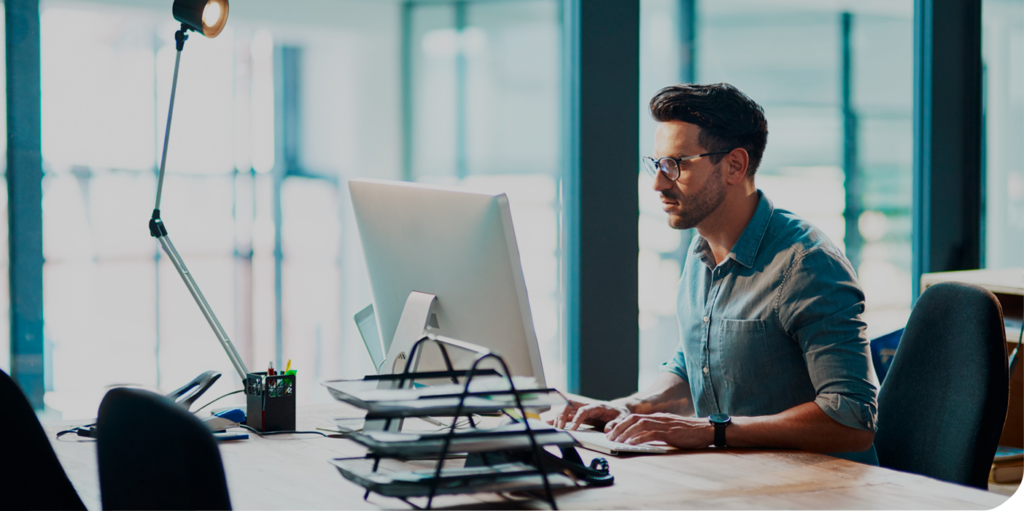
point(207, 17)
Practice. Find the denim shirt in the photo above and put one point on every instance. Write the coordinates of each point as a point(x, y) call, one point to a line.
point(775, 325)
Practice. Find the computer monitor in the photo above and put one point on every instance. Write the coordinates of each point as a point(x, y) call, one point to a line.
point(457, 245)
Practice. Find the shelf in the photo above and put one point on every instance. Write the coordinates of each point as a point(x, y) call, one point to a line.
point(487, 479)
point(444, 400)
point(508, 458)
point(508, 437)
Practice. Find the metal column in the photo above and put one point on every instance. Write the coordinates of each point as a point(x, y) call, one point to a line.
point(688, 40)
point(24, 196)
point(947, 137)
point(601, 207)
point(851, 214)
point(407, 99)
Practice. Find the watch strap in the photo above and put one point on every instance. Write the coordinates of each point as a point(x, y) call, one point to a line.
point(720, 421)
point(720, 433)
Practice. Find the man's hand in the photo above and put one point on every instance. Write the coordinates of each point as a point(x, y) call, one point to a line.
point(674, 430)
point(577, 413)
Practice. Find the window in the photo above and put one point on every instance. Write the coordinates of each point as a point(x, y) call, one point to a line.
point(116, 312)
point(1003, 162)
point(484, 90)
point(836, 89)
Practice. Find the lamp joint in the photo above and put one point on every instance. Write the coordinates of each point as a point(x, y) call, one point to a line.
point(180, 37)
point(156, 226)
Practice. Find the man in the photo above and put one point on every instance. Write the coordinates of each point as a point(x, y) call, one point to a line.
point(773, 348)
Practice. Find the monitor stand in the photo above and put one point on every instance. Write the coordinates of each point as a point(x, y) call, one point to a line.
point(416, 317)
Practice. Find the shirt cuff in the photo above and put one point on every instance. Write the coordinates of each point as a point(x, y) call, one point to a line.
point(673, 367)
point(848, 412)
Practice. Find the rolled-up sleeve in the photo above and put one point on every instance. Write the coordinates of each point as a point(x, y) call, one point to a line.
point(676, 365)
point(820, 305)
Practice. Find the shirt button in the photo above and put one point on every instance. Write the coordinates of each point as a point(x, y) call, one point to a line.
point(706, 319)
point(705, 369)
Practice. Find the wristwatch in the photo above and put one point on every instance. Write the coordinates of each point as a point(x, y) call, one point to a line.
point(720, 421)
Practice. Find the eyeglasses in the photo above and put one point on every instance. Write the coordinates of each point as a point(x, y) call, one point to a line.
point(670, 165)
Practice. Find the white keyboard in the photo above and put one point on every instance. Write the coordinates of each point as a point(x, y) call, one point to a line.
point(597, 441)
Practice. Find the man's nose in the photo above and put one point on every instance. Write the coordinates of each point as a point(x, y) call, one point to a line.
point(661, 181)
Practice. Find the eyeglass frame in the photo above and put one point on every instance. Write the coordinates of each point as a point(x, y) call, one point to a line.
point(653, 171)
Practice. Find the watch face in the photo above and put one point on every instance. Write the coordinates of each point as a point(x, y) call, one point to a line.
point(719, 418)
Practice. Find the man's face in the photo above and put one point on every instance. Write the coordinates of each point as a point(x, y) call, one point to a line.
point(700, 188)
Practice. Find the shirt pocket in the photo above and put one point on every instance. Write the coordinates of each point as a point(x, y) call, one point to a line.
point(746, 359)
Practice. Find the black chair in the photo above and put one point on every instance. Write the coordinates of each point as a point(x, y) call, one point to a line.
point(943, 403)
point(154, 454)
point(34, 477)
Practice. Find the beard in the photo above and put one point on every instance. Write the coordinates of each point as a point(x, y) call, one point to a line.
point(695, 207)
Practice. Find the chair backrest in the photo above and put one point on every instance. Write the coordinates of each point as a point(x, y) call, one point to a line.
point(942, 405)
point(36, 478)
point(154, 454)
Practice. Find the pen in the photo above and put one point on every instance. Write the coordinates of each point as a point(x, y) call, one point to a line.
point(270, 369)
point(289, 366)
point(225, 436)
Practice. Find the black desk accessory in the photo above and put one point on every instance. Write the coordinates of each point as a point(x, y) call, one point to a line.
point(188, 393)
point(270, 401)
point(184, 396)
point(489, 468)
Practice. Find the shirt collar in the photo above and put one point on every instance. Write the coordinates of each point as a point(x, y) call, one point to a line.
point(745, 249)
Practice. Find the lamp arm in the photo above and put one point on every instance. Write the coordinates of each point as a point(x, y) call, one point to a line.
point(211, 318)
point(179, 42)
point(158, 231)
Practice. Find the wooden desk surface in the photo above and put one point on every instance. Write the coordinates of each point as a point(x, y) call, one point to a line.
point(292, 472)
point(1008, 281)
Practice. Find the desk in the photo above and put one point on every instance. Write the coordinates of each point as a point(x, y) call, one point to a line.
point(291, 472)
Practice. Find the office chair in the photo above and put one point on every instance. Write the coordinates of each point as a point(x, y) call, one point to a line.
point(942, 405)
point(154, 454)
point(35, 476)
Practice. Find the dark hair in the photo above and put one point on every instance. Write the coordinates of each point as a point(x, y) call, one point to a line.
point(727, 118)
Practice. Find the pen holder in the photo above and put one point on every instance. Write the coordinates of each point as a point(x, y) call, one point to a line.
point(270, 402)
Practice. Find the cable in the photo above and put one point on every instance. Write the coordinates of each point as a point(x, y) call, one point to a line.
point(267, 433)
point(215, 400)
point(73, 430)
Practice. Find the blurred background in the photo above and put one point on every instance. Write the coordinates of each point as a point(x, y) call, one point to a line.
point(276, 114)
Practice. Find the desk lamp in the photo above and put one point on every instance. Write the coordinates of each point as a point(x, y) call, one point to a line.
point(208, 18)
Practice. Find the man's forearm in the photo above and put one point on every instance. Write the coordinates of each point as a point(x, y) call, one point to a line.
point(668, 394)
point(805, 427)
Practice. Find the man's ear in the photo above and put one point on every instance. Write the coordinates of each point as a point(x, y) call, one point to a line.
point(736, 165)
